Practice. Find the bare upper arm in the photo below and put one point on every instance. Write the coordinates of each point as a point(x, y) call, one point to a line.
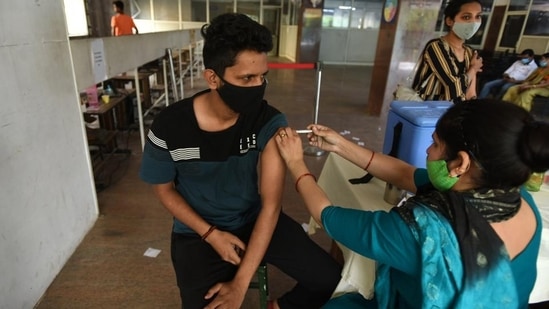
point(160, 189)
point(272, 172)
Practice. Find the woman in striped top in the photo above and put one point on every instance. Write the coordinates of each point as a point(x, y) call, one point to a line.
point(448, 67)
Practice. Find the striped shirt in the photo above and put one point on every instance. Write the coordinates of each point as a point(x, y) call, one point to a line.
point(440, 76)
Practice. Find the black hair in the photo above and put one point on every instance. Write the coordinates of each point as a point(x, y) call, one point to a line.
point(503, 139)
point(546, 55)
point(454, 6)
point(119, 5)
point(529, 52)
point(229, 34)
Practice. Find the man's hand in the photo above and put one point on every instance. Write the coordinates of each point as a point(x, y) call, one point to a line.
point(230, 295)
point(229, 247)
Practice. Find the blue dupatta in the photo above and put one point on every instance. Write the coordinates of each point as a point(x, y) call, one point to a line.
point(442, 275)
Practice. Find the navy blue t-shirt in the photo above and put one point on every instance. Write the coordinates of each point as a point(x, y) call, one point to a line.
point(215, 172)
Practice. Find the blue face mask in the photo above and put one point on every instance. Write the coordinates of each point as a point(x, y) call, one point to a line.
point(525, 60)
point(543, 63)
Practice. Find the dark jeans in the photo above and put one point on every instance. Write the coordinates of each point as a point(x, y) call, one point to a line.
point(198, 267)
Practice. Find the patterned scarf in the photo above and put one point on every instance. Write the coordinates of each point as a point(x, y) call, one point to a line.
point(470, 214)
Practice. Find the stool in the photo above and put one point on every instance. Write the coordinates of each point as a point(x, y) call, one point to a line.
point(262, 284)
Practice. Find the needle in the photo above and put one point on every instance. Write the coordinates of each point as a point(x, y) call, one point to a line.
point(303, 131)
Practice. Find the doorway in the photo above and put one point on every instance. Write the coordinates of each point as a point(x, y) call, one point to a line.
point(271, 20)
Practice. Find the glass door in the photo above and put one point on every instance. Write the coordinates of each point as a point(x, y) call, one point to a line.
point(271, 20)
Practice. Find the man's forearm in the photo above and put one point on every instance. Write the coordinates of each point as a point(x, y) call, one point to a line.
point(258, 243)
point(180, 209)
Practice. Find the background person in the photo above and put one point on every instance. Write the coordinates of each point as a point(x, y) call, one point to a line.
point(202, 157)
point(537, 84)
point(448, 68)
point(121, 24)
point(515, 74)
point(469, 237)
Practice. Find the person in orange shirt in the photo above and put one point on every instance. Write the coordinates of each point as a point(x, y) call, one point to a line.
point(121, 24)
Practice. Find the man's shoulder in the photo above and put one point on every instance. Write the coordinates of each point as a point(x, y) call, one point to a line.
point(267, 114)
point(176, 114)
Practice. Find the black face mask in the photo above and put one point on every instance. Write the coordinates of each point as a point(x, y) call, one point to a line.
point(241, 99)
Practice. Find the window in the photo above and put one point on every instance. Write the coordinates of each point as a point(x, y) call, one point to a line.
point(336, 14)
point(166, 10)
point(251, 9)
point(354, 14)
point(141, 9)
point(198, 11)
point(75, 15)
point(366, 14)
point(218, 7)
point(511, 30)
point(538, 19)
point(518, 5)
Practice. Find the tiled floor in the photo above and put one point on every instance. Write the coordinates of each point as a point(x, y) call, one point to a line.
point(108, 270)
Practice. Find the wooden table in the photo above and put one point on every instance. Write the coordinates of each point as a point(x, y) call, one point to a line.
point(144, 85)
point(112, 115)
point(103, 142)
point(359, 272)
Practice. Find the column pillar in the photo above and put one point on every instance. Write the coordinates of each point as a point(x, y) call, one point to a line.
point(401, 39)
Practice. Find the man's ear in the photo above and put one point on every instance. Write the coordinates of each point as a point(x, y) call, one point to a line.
point(211, 78)
point(461, 164)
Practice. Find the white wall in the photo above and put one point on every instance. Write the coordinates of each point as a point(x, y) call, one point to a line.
point(540, 45)
point(47, 195)
point(47, 198)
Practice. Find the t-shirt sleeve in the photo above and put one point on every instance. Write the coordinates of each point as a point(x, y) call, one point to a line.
point(157, 166)
point(270, 128)
point(379, 235)
point(113, 21)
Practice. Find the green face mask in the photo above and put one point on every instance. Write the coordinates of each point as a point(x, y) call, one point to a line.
point(440, 176)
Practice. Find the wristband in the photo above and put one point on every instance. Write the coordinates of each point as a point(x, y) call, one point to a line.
point(210, 230)
point(300, 177)
point(370, 161)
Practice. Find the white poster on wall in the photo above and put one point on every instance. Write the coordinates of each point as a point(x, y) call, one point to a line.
point(99, 63)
